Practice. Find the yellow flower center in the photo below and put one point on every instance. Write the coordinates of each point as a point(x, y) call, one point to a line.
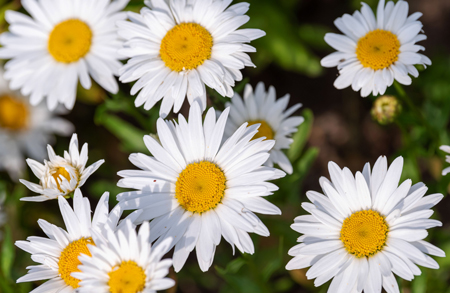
point(200, 187)
point(186, 46)
point(70, 40)
point(68, 261)
point(128, 277)
point(378, 49)
point(13, 113)
point(364, 233)
point(60, 171)
point(264, 129)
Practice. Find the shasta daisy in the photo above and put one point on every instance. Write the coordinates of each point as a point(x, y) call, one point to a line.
point(177, 47)
point(197, 189)
point(376, 50)
point(62, 42)
point(364, 228)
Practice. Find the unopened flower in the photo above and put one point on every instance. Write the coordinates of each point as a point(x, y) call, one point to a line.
point(60, 175)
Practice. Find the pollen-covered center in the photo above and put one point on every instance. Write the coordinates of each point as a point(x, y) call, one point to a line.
point(128, 277)
point(364, 233)
point(70, 40)
point(264, 129)
point(186, 46)
point(200, 187)
point(13, 113)
point(378, 49)
point(57, 172)
point(68, 261)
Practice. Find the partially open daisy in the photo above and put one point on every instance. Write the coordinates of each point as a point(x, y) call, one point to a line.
point(263, 108)
point(62, 42)
point(123, 262)
point(375, 51)
point(364, 229)
point(196, 189)
point(60, 176)
point(58, 254)
point(25, 130)
point(446, 149)
point(176, 47)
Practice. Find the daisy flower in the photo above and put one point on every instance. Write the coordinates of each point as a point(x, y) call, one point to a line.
point(124, 262)
point(177, 47)
point(25, 130)
point(446, 149)
point(62, 42)
point(365, 228)
point(263, 108)
point(58, 254)
point(376, 50)
point(60, 176)
point(196, 189)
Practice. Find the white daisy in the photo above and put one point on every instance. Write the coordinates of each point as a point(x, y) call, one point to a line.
point(60, 176)
point(25, 130)
point(446, 149)
point(375, 51)
point(58, 254)
point(196, 189)
point(62, 42)
point(178, 46)
point(263, 108)
point(124, 262)
point(364, 229)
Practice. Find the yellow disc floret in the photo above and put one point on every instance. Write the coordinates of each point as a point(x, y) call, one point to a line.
point(186, 46)
point(13, 113)
point(364, 233)
point(128, 277)
point(264, 129)
point(200, 187)
point(70, 40)
point(378, 49)
point(68, 261)
point(56, 175)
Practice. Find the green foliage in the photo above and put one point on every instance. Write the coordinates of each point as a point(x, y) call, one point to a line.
point(287, 42)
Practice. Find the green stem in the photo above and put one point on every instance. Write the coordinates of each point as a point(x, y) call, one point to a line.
point(402, 94)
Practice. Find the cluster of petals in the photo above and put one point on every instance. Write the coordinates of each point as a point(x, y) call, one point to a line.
point(47, 250)
point(111, 243)
point(111, 249)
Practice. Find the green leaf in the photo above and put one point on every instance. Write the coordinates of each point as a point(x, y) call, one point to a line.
point(233, 266)
point(130, 136)
point(7, 253)
point(419, 284)
point(301, 136)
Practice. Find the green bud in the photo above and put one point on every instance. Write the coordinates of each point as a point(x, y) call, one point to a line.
point(385, 109)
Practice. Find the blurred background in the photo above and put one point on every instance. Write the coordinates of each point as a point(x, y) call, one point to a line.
point(339, 127)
